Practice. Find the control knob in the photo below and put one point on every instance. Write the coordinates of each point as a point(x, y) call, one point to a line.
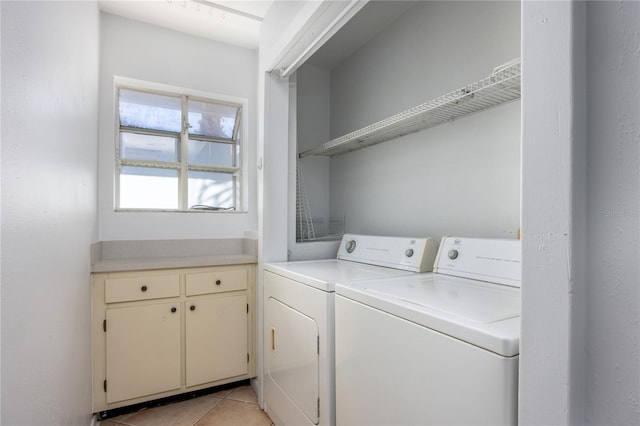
point(452, 254)
point(408, 252)
point(350, 246)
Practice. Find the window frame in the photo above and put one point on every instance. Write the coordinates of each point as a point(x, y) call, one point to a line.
point(237, 141)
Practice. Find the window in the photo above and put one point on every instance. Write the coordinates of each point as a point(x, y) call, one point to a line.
point(177, 152)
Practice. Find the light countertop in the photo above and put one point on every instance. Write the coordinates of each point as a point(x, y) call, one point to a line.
point(114, 256)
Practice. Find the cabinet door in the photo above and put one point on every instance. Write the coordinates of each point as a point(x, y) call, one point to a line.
point(143, 350)
point(216, 339)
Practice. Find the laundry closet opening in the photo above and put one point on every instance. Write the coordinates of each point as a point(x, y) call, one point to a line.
point(459, 176)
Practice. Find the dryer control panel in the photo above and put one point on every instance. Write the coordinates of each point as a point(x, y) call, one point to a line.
point(409, 254)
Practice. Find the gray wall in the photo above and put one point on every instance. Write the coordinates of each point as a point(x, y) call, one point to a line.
point(49, 181)
point(312, 86)
point(459, 178)
point(613, 211)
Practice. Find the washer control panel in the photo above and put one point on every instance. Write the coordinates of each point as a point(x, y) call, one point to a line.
point(411, 254)
point(485, 259)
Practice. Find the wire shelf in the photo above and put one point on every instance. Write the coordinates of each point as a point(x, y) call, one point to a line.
point(309, 228)
point(503, 85)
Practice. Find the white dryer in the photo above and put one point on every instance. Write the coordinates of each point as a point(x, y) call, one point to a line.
point(299, 386)
point(433, 349)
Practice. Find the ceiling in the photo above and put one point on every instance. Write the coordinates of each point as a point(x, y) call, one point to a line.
point(370, 21)
point(238, 22)
point(235, 22)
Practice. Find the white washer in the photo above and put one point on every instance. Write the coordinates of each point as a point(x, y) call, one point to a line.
point(433, 349)
point(299, 320)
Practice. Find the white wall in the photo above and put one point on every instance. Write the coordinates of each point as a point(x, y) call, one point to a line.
point(459, 178)
point(552, 209)
point(580, 361)
point(49, 180)
point(145, 52)
point(282, 27)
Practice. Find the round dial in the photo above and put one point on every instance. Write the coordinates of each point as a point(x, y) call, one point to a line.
point(452, 254)
point(408, 252)
point(350, 246)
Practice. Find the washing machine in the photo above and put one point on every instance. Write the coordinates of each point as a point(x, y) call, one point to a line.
point(433, 349)
point(299, 385)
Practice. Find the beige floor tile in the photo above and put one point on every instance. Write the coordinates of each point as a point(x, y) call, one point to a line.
point(120, 420)
point(244, 394)
point(221, 394)
point(176, 414)
point(235, 413)
point(110, 422)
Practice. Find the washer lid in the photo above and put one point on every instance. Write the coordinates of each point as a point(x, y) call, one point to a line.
point(323, 274)
point(483, 314)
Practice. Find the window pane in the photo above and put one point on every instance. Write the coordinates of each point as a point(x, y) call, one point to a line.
point(148, 188)
point(135, 146)
point(211, 189)
point(150, 111)
point(213, 120)
point(211, 153)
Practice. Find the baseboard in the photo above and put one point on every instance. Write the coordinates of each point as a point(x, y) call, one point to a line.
point(103, 415)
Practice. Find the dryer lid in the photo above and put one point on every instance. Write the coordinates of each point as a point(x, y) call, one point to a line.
point(323, 274)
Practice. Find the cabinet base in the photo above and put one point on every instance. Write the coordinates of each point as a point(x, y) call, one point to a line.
point(114, 412)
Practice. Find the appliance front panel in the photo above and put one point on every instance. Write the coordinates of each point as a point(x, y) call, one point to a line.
point(299, 384)
point(390, 371)
point(292, 355)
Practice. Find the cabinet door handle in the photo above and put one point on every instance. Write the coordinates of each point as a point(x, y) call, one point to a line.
point(173, 310)
point(143, 288)
point(218, 282)
point(192, 307)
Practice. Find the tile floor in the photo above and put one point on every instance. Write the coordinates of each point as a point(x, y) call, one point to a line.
point(231, 407)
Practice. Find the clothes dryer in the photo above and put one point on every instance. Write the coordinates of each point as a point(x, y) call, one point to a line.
point(433, 349)
point(299, 358)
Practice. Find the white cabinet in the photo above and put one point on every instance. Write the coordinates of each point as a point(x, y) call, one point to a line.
point(143, 350)
point(165, 332)
point(216, 346)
